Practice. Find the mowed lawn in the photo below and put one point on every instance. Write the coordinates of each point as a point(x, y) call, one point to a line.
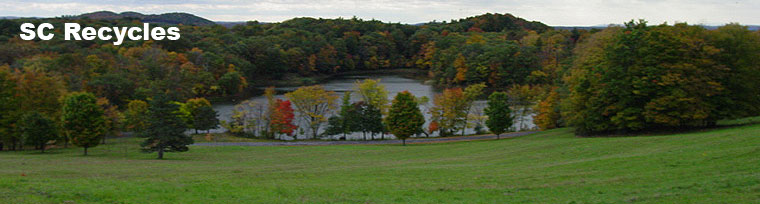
point(713, 166)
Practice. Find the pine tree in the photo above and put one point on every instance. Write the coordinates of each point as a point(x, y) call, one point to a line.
point(83, 120)
point(165, 131)
point(346, 124)
point(499, 114)
point(405, 117)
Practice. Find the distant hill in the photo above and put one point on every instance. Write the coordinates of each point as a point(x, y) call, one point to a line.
point(491, 23)
point(166, 18)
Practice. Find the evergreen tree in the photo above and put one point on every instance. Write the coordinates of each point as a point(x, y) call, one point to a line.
point(499, 114)
point(405, 118)
point(366, 118)
point(346, 122)
point(83, 120)
point(37, 130)
point(165, 131)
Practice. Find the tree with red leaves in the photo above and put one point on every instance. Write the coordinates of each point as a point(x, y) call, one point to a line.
point(282, 118)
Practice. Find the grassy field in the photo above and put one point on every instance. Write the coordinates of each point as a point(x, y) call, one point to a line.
point(714, 166)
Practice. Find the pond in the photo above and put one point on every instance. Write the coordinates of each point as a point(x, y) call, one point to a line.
point(393, 83)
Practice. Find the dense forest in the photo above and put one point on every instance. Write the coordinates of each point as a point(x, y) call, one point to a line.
point(616, 80)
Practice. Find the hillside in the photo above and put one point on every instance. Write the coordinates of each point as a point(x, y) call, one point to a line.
point(549, 167)
point(167, 18)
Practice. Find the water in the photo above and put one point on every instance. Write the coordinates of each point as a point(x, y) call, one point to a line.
point(394, 84)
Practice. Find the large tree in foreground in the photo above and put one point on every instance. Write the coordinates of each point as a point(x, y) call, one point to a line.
point(499, 114)
point(83, 120)
point(165, 131)
point(405, 118)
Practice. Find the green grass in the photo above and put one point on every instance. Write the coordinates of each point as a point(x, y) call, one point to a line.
point(714, 166)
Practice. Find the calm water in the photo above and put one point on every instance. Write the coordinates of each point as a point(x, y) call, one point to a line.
point(394, 84)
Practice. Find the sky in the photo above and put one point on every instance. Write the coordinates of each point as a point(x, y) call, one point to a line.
point(550, 12)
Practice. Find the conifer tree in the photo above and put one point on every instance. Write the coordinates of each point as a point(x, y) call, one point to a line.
point(165, 131)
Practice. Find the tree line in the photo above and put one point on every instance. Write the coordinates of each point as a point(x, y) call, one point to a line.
point(324, 115)
point(38, 112)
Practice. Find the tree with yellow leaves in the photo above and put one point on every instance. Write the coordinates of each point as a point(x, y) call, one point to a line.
point(312, 104)
point(374, 94)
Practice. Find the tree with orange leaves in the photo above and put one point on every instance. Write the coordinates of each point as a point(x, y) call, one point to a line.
point(282, 118)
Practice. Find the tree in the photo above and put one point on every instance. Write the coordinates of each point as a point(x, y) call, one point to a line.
point(449, 110)
point(405, 118)
point(37, 130)
point(136, 116)
point(189, 110)
point(347, 124)
point(205, 118)
point(165, 131)
point(282, 120)
point(83, 120)
point(346, 121)
point(112, 117)
point(232, 82)
point(367, 119)
point(548, 112)
point(34, 91)
point(373, 93)
point(471, 94)
point(499, 114)
point(248, 117)
point(312, 104)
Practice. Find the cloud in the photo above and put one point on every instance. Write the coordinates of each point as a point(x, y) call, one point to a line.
point(552, 12)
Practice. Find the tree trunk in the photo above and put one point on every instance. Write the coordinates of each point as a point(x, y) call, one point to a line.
point(85, 151)
point(497, 136)
point(364, 135)
point(104, 140)
point(43, 148)
point(403, 142)
point(196, 131)
point(161, 153)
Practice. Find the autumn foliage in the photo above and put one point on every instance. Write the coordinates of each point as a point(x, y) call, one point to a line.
point(282, 118)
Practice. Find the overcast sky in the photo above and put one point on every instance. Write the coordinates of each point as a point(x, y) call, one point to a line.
point(551, 12)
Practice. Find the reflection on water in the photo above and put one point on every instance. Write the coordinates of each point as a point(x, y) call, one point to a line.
point(394, 84)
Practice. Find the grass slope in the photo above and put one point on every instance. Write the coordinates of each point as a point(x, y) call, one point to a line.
point(716, 166)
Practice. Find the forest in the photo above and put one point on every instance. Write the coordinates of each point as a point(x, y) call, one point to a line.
point(619, 80)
